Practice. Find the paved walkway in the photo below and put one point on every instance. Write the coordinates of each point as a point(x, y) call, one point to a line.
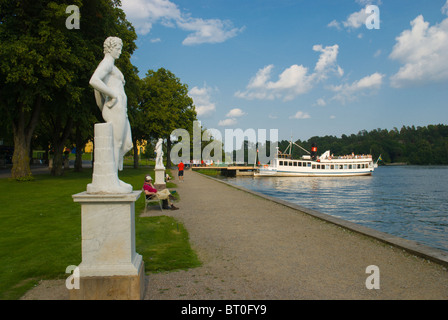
point(253, 248)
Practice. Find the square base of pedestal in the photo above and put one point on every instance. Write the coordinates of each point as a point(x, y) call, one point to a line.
point(111, 287)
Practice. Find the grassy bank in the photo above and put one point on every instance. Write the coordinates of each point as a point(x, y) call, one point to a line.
point(40, 233)
point(209, 172)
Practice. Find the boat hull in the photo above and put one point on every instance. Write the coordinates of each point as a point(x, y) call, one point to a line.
point(272, 173)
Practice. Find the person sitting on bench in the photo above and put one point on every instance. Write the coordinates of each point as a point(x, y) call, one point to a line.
point(165, 194)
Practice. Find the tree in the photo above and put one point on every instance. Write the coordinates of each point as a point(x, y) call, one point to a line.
point(44, 67)
point(166, 106)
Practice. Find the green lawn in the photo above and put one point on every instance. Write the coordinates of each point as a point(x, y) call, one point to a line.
point(40, 231)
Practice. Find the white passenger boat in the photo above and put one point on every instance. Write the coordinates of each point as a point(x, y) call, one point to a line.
point(313, 166)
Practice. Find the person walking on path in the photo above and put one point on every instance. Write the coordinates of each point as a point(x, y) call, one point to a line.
point(180, 167)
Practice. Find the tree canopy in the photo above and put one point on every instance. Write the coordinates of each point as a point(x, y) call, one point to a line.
point(44, 66)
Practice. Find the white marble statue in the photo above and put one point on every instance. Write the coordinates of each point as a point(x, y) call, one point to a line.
point(108, 82)
point(159, 154)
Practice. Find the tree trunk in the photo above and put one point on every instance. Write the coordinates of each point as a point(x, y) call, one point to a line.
point(80, 144)
point(78, 159)
point(58, 145)
point(58, 169)
point(20, 159)
point(22, 141)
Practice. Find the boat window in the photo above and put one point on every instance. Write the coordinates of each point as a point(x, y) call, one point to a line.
point(318, 166)
point(295, 164)
point(281, 163)
point(309, 164)
point(327, 166)
point(314, 166)
point(323, 167)
point(349, 166)
point(340, 166)
point(290, 163)
point(300, 164)
point(332, 166)
point(359, 166)
point(345, 167)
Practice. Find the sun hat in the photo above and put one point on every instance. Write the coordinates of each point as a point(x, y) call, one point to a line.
point(148, 177)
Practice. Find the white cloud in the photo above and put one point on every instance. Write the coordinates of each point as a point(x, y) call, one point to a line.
point(327, 61)
point(445, 8)
point(208, 31)
point(356, 19)
point(227, 122)
point(300, 115)
point(334, 24)
point(321, 102)
point(294, 80)
point(423, 51)
point(202, 101)
point(145, 13)
point(235, 113)
point(349, 92)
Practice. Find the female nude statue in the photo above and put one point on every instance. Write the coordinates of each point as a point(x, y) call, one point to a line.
point(108, 82)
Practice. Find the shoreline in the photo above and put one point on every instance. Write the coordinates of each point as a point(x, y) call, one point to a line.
point(433, 254)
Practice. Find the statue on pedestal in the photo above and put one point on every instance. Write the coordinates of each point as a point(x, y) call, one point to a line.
point(159, 155)
point(108, 82)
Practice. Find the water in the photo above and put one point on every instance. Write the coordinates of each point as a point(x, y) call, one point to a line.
point(410, 202)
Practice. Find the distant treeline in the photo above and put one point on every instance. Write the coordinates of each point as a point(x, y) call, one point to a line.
point(411, 145)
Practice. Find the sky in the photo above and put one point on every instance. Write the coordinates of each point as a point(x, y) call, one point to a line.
point(306, 68)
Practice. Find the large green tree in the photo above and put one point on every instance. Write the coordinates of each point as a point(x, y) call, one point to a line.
point(44, 66)
point(166, 106)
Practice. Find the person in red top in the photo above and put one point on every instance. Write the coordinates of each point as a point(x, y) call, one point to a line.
point(181, 166)
point(151, 191)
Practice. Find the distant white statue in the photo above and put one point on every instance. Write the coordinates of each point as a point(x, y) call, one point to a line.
point(108, 82)
point(159, 154)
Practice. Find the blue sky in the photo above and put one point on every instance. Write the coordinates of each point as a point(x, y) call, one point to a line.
point(307, 68)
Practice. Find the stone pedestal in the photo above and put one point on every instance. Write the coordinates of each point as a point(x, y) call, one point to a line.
point(110, 268)
point(159, 183)
point(105, 174)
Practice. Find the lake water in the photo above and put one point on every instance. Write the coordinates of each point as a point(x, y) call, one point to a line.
point(410, 202)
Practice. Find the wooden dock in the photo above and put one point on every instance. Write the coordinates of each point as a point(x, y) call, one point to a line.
point(230, 171)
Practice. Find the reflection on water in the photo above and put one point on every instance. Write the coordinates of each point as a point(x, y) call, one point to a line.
point(410, 202)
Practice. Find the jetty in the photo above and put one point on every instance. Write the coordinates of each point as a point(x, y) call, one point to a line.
point(229, 171)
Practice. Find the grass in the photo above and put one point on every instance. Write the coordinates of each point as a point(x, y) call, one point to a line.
point(209, 172)
point(40, 231)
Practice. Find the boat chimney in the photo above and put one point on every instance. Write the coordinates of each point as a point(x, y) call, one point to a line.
point(313, 151)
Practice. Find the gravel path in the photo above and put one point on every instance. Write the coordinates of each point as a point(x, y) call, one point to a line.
point(253, 248)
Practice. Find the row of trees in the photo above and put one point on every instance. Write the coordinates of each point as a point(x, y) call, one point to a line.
point(412, 145)
point(45, 98)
